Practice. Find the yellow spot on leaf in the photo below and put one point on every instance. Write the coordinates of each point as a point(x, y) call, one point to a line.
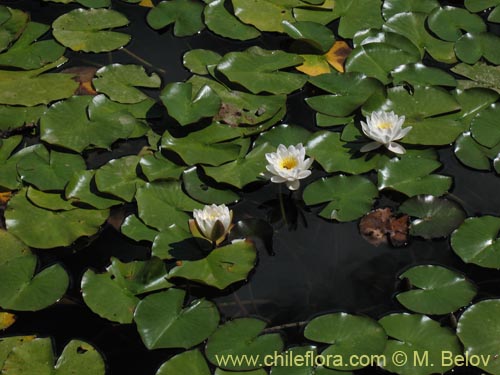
point(5, 197)
point(338, 54)
point(6, 320)
point(314, 65)
point(146, 4)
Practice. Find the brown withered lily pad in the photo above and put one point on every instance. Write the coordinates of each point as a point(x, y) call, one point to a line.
point(381, 226)
point(234, 116)
point(83, 75)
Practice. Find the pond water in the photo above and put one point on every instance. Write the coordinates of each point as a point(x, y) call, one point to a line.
point(314, 266)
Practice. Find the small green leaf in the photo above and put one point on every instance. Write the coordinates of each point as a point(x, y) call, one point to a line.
point(162, 322)
point(186, 14)
point(220, 21)
point(197, 60)
point(187, 363)
point(201, 191)
point(317, 35)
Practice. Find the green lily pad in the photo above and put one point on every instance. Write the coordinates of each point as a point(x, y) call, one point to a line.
point(478, 329)
point(412, 175)
point(71, 124)
point(80, 189)
point(89, 30)
point(28, 53)
point(49, 171)
point(162, 204)
point(472, 101)
point(9, 178)
point(484, 128)
point(480, 75)
point(220, 21)
point(201, 191)
point(186, 16)
point(12, 24)
point(265, 15)
point(420, 75)
point(15, 117)
point(113, 294)
point(222, 267)
point(45, 229)
point(244, 170)
point(437, 290)
point(134, 228)
point(350, 335)
point(119, 82)
point(473, 154)
point(32, 355)
point(319, 36)
point(475, 241)
point(259, 70)
point(49, 201)
point(413, 27)
point(472, 46)
point(393, 7)
point(283, 134)
point(334, 155)
point(169, 238)
point(197, 60)
point(435, 217)
point(188, 363)
point(358, 15)
point(242, 337)
point(348, 92)
point(162, 321)
point(20, 288)
point(119, 177)
point(188, 106)
point(30, 88)
point(348, 197)
point(448, 22)
point(417, 337)
point(157, 167)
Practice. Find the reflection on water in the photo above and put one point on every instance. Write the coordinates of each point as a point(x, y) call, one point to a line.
point(315, 268)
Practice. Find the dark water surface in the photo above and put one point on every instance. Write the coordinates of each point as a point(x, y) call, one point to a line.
point(316, 267)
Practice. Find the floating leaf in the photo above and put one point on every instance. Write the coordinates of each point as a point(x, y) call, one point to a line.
point(473, 154)
point(134, 228)
point(475, 241)
point(20, 288)
point(186, 14)
point(119, 82)
point(412, 175)
point(381, 225)
point(8, 167)
point(319, 36)
point(45, 229)
point(188, 106)
point(478, 329)
point(242, 337)
point(30, 354)
point(314, 65)
point(480, 75)
point(89, 30)
point(80, 189)
point(448, 22)
point(436, 290)
point(197, 60)
point(334, 155)
point(435, 217)
point(204, 193)
point(417, 336)
point(6, 320)
point(338, 54)
point(350, 335)
point(30, 88)
point(72, 124)
point(49, 171)
point(472, 46)
point(393, 7)
point(484, 127)
point(16, 117)
point(258, 70)
point(162, 204)
point(349, 197)
point(157, 167)
point(222, 267)
point(113, 294)
point(420, 75)
point(265, 15)
point(162, 322)
point(26, 53)
point(358, 15)
point(187, 363)
point(220, 21)
point(244, 170)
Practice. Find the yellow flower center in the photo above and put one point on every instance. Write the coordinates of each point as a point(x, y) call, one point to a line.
point(288, 162)
point(384, 125)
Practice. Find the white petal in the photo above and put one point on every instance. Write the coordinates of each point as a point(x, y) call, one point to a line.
point(278, 179)
point(304, 174)
point(293, 185)
point(370, 146)
point(396, 148)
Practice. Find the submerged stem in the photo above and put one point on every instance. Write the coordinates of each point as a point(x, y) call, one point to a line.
point(282, 206)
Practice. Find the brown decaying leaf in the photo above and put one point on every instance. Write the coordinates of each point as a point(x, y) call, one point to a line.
point(235, 116)
point(381, 226)
point(83, 75)
point(337, 55)
point(6, 320)
point(5, 197)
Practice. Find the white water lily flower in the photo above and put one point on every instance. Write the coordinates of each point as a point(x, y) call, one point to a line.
point(289, 165)
point(213, 221)
point(384, 128)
